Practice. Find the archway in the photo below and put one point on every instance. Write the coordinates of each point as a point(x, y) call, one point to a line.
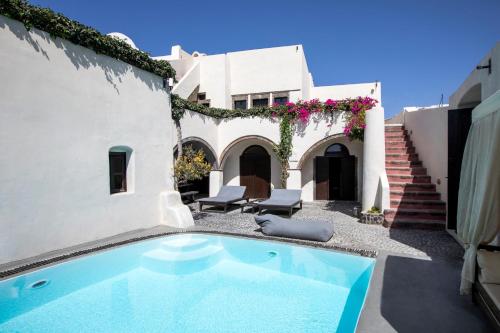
point(335, 174)
point(201, 186)
point(255, 171)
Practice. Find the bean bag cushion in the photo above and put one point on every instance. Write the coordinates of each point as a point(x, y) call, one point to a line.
point(273, 225)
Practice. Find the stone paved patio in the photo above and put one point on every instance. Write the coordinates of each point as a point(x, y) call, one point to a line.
point(348, 231)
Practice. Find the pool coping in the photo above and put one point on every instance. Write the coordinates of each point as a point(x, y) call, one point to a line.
point(9, 270)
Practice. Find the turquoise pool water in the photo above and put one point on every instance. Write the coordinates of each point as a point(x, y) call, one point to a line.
point(191, 283)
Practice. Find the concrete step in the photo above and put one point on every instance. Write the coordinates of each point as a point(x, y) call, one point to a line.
point(401, 157)
point(418, 204)
point(406, 171)
point(395, 127)
point(185, 243)
point(399, 186)
point(418, 195)
point(420, 214)
point(399, 150)
point(398, 144)
point(415, 223)
point(181, 262)
point(413, 179)
point(400, 164)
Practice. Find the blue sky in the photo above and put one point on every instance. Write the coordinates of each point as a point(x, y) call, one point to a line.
point(417, 49)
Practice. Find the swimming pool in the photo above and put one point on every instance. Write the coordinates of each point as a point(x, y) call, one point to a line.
point(191, 283)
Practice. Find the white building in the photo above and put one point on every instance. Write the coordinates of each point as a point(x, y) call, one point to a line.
point(244, 79)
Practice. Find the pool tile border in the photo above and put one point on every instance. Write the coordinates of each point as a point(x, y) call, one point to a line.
point(16, 270)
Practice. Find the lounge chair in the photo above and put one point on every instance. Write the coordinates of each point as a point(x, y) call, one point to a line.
point(486, 288)
point(282, 200)
point(226, 196)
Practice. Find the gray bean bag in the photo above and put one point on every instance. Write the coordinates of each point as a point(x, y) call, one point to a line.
point(273, 225)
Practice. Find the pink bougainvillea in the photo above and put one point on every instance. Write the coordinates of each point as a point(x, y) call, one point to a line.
point(354, 112)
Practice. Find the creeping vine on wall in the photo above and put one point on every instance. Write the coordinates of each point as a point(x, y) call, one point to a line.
point(353, 110)
point(57, 25)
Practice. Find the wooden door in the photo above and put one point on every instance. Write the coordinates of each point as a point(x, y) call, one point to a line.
point(459, 122)
point(348, 178)
point(322, 177)
point(255, 172)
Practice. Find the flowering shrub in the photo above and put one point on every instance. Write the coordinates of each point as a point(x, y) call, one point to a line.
point(354, 108)
point(191, 165)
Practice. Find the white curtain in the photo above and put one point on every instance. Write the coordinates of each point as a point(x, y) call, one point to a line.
point(478, 214)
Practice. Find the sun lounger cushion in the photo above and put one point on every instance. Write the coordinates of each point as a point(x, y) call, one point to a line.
point(273, 225)
point(281, 197)
point(226, 194)
point(489, 263)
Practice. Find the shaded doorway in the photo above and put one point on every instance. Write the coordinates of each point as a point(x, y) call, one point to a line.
point(459, 122)
point(201, 186)
point(335, 174)
point(255, 172)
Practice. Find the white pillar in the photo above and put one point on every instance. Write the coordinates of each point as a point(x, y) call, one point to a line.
point(373, 158)
point(294, 181)
point(216, 182)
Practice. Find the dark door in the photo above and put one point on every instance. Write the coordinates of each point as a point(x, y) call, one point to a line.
point(335, 178)
point(322, 177)
point(348, 178)
point(459, 122)
point(255, 172)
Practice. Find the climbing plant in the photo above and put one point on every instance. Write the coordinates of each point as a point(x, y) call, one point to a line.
point(57, 25)
point(353, 110)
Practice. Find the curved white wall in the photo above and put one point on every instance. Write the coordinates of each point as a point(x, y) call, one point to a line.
point(62, 108)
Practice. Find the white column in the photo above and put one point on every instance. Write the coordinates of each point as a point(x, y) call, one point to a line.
point(373, 158)
point(216, 182)
point(249, 101)
point(271, 99)
point(294, 181)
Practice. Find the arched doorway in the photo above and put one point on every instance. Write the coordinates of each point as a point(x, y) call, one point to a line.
point(255, 171)
point(201, 186)
point(335, 174)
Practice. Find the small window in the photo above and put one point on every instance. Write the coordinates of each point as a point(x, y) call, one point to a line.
point(336, 150)
point(117, 172)
point(207, 104)
point(240, 105)
point(260, 102)
point(281, 100)
point(202, 96)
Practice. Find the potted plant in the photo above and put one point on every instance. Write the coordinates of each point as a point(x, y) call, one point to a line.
point(372, 216)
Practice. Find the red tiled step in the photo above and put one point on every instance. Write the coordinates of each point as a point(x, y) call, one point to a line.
point(420, 214)
point(401, 157)
point(398, 144)
point(414, 179)
point(403, 222)
point(423, 195)
point(399, 150)
point(412, 187)
point(406, 171)
point(400, 164)
point(394, 128)
point(393, 136)
point(418, 204)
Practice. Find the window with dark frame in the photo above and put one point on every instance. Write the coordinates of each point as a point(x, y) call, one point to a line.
point(117, 172)
point(281, 100)
point(202, 96)
point(241, 104)
point(260, 102)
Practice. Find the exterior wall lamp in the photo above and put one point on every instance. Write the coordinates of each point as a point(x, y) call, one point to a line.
point(487, 66)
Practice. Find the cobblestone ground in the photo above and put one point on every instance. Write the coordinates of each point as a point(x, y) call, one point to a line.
point(348, 231)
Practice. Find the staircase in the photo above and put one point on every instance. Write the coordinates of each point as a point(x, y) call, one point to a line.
point(414, 200)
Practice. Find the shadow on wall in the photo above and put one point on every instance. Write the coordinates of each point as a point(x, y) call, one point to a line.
point(80, 56)
point(422, 296)
point(316, 119)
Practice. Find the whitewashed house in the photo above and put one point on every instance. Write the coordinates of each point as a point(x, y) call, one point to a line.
point(241, 149)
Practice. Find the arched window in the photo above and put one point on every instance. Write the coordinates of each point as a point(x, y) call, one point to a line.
point(337, 150)
point(255, 150)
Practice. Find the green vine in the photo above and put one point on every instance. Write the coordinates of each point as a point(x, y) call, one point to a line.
point(283, 150)
point(57, 25)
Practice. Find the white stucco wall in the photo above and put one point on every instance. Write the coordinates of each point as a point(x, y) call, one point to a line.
point(196, 125)
point(489, 83)
point(62, 108)
point(371, 89)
